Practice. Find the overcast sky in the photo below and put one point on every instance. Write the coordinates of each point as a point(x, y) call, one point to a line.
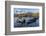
point(25, 10)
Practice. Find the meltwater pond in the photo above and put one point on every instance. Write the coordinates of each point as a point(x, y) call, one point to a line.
point(26, 22)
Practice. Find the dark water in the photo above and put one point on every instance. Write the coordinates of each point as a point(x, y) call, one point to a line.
point(26, 23)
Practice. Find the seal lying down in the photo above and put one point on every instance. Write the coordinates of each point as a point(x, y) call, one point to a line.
point(25, 22)
point(28, 21)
